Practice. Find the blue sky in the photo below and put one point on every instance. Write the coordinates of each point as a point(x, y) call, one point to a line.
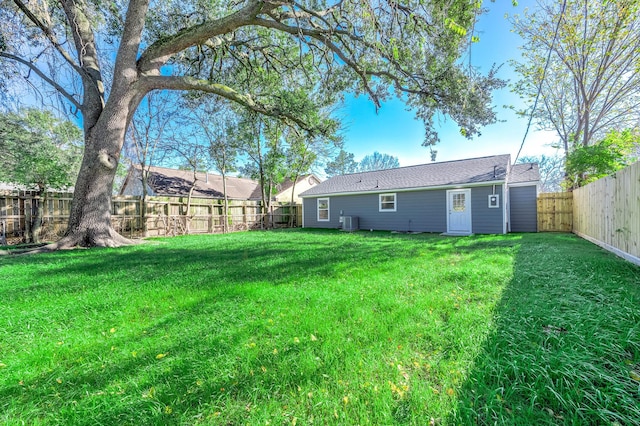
point(394, 130)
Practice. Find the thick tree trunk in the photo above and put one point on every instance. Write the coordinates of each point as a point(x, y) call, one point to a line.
point(291, 205)
point(28, 208)
point(90, 217)
point(36, 221)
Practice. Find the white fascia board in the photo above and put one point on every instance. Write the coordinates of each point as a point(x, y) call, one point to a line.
point(529, 183)
point(422, 188)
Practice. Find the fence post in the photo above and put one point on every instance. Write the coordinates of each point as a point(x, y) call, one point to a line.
point(210, 218)
point(3, 238)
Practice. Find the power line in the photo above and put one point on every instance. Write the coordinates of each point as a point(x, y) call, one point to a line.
point(544, 73)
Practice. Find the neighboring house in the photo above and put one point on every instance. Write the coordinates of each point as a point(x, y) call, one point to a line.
point(457, 197)
point(171, 182)
point(303, 183)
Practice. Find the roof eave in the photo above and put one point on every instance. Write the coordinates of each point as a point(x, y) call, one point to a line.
point(421, 188)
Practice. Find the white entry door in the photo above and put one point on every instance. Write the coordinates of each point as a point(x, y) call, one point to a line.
point(459, 211)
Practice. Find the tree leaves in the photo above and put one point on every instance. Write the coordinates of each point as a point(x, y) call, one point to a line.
point(39, 150)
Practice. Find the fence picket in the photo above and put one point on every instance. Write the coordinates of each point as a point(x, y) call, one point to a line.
point(608, 212)
point(163, 215)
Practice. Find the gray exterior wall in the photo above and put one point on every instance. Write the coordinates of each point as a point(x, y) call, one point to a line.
point(485, 220)
point(423, 211)
point(523, 208)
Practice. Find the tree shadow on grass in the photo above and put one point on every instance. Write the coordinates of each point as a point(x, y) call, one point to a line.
point(566, 341)
point(284, 261)
point(163, 360)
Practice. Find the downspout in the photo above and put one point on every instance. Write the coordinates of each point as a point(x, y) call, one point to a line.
point(507, 202)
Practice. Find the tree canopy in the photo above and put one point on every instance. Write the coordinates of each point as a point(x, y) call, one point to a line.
point(377, 161)
point(342, 164)
point(39, 151)
point(592, 84)
point(290, 60)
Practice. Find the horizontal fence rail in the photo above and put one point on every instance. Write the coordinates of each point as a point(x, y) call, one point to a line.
point(158, 216)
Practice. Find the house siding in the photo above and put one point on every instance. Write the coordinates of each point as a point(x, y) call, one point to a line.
point(485, 220)
point(418, 211)
point(523, 209)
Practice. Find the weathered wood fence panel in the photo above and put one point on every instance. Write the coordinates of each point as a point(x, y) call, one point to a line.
point(165, 216)
point(555, 212)
point(607, 212)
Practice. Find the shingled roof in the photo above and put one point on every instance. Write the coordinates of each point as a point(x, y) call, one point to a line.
point(524, 172)
point(171, 182)
point(446, 173)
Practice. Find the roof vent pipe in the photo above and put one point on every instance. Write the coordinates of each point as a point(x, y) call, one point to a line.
point(494, 171)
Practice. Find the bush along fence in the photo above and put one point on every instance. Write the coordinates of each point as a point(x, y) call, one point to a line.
point(131, 217)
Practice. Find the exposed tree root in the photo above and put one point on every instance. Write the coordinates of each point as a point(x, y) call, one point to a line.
point(83, 239)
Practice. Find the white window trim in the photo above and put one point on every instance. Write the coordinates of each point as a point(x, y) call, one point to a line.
point(328, 209)
point(395, 202)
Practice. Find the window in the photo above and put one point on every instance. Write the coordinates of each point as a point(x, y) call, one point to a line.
point(323, 210)
point(387, 202)
point(459, 204)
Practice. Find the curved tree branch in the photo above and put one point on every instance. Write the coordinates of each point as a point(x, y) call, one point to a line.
point(159, 52)
point(43, 76)
point(152, 82)
point(130, 42)
point(324, 38)
point(50, 36)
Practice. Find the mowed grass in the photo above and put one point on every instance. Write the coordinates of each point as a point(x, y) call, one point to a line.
point(322, 327)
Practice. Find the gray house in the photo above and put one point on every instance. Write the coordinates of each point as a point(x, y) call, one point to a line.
point(484, 195)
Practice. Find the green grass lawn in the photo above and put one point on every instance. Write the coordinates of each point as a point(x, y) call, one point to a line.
point(322, 327)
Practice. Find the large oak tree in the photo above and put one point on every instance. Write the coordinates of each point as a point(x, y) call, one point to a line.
point(102, 57)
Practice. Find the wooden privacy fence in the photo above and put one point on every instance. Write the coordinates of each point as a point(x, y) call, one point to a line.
point(165, 216)
point(607, 212)
point(555, 212)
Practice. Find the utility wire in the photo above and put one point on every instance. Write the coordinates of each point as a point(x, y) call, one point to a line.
point(544, 73)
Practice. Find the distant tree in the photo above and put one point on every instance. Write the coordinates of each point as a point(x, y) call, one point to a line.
point(592, 83)
point(551, 171)
point(149, 125)
point(40, 152)
point(589, 163)
point(342, 164)
point(190, 150)
point(218, 130)
point(301, 154)
point(377, 161)
point(262, 141)
point(143, 145)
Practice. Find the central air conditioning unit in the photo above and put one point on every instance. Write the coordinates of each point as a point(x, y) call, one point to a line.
point(349, 223)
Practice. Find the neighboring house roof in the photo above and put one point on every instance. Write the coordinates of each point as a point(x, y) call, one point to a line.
point(172, 182)
point(288, 183)
point(524, 172)
point(446, 173)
